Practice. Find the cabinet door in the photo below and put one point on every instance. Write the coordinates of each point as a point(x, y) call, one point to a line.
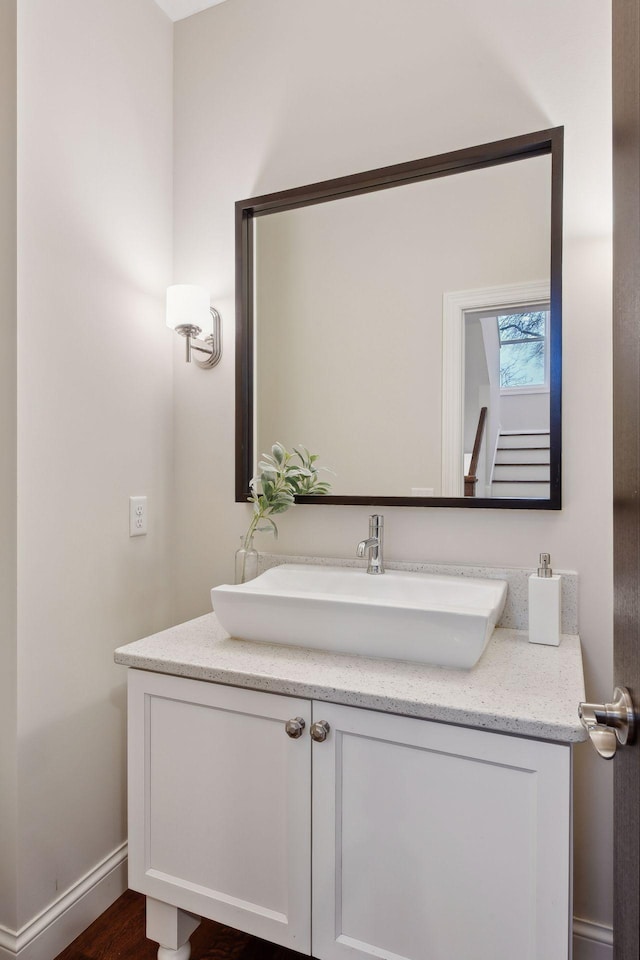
point(219, 804)
point(435, 842)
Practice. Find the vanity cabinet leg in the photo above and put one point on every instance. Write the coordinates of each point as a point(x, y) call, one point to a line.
point(182, 953)
point(171, 928)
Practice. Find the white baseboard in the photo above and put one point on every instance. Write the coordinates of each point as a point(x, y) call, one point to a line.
point(62, 921)
point(592, 941)
point(51, 931)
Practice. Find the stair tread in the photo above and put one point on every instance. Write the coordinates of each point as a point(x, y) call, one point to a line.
point(519, 481)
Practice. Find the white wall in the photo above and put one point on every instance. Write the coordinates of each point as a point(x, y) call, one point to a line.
point(476, 379)
point(94, 412)
point(525, 411)
point(275, 94)
point(8, 795)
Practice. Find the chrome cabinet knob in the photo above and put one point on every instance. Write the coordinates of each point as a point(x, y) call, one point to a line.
point(294, 727)
point(609, 724)
point(319, 730)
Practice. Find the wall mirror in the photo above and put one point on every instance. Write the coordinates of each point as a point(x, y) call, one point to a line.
point(405, 324)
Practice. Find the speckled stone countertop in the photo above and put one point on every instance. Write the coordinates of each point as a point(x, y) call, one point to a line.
point(516, 686)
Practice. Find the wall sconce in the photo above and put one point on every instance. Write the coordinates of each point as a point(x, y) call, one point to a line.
point(190, 314)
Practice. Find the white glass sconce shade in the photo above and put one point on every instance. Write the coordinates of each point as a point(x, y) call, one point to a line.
point(188, 306)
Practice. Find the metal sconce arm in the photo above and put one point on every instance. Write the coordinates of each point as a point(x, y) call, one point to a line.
point(210, 347)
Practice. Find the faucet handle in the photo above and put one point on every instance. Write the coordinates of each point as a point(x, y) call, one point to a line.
point(373, 544)
point(376, 524)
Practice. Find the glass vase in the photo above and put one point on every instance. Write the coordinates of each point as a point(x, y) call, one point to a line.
point(246, 562)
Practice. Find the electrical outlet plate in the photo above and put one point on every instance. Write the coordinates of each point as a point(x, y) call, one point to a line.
point(137, 516)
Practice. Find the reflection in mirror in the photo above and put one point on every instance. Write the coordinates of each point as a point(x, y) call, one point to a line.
point(378, 324)
point(506, 402)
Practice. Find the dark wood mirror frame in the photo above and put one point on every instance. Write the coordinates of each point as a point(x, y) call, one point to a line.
point(459, 161)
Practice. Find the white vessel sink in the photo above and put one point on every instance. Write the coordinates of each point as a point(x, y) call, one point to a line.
point(445, 621)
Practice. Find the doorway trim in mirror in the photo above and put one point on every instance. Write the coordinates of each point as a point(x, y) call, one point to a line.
point(454, 308)
point(545, 142)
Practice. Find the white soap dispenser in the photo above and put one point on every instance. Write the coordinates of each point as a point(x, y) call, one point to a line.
point(544, 604)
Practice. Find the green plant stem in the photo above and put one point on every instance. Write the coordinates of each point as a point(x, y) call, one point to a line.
point(244, 566)
point(246, 543)
point(247, 546)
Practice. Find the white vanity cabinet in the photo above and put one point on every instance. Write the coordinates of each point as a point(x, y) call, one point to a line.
point(438, 842)
point(220, 804)
point(395, 838)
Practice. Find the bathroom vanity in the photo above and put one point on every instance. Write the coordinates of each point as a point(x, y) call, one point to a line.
point(350, 807)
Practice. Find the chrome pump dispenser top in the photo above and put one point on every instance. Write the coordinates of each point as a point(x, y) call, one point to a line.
point(544, 570)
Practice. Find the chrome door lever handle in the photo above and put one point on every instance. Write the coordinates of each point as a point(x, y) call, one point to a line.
point(609, 724)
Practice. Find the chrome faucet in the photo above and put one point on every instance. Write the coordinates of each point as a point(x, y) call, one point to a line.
point(372, 546)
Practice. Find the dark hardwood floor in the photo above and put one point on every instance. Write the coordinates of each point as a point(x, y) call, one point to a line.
point(119, 935)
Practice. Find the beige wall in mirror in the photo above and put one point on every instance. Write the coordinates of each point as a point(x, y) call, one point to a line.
point(349, 318)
